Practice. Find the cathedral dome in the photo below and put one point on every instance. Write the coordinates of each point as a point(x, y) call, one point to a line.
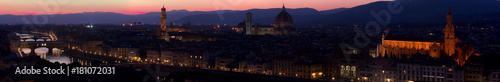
point(283, 19)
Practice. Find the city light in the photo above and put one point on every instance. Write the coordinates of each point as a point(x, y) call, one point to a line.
point(365, 42)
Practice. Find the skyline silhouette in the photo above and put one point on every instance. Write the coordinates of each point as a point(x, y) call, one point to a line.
point(134, 7)
point(469, 12)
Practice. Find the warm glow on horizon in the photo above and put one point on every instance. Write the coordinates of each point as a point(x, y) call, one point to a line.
point(134, 7)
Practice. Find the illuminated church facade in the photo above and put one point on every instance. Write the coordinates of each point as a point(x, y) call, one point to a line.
point(283, 25)
point(404, 47)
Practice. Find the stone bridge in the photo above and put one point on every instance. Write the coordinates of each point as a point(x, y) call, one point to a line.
point(44, 43)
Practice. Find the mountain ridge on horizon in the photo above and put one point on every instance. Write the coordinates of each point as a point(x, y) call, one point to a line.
point(464, 11)
point(177, 10)
point(151, 17)
point(421, 11)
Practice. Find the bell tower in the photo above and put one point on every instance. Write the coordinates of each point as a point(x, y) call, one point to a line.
point(161, 32)
point(449, 37)
point(248, 23)
point(163, 17)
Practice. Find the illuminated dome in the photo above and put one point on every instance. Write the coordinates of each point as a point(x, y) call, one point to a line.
point(283, 19)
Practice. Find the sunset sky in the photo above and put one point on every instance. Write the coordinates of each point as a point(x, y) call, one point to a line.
point(134, 7)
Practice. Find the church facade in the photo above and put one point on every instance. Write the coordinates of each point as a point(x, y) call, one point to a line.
point(449, 46)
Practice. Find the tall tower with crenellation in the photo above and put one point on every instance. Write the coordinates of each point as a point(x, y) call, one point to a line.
point(161, 32)
point(163, 18)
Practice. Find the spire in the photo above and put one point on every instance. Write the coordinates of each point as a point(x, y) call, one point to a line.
point(171, 24)
point(90, 21)
point(91, 25)
point(283, 6)
point(449, 16)
point(449, 9)
point(163, 8)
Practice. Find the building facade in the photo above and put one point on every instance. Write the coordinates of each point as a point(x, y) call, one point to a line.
point(405, 47)
point(283, 25)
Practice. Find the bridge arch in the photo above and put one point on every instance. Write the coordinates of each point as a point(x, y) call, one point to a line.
point(39, 40)
point(56, 51)
point(29, 40)
point(42, 52)
point(26, 50)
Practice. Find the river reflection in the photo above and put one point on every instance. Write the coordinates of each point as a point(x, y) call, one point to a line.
point(57, 55)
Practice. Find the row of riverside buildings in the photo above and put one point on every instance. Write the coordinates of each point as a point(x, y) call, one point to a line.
point(356, 68)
